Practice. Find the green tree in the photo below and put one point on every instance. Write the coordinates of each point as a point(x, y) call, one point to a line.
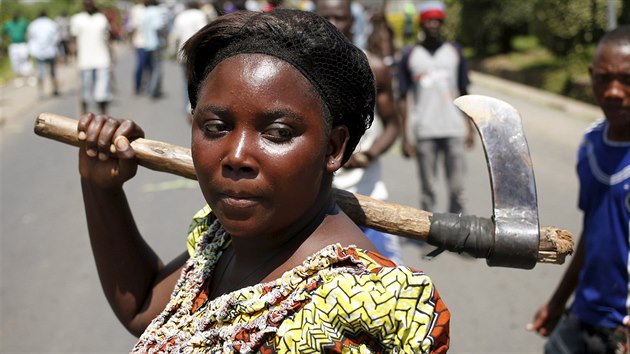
point(624, 14)
point(488, 26)
point(452, 24)
point(562, 25)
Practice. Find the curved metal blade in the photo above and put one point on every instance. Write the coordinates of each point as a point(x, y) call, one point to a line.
point(511, 178)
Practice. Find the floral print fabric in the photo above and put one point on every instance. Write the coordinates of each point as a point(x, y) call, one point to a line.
point(339, 300)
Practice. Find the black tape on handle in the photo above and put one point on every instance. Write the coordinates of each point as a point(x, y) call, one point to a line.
point(462, 234)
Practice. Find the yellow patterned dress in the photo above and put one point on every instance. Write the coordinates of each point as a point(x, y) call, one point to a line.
point(340, 300)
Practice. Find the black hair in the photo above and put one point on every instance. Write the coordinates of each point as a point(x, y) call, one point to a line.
point(338, 71)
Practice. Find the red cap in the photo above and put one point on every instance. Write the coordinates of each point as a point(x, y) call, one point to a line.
point(432, 14)
point(432, 10)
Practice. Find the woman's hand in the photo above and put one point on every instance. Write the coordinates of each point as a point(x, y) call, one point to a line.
point(107, 159)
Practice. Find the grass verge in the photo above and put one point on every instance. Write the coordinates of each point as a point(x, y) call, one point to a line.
point(532, 65)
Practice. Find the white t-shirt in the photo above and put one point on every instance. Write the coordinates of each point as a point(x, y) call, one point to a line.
point(92, 33)
point(435, 87)
point(153, 23)
point(136, 16)
point(43, 38)
point(186, 24)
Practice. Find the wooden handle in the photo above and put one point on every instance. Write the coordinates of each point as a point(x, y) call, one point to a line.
point(555, 244)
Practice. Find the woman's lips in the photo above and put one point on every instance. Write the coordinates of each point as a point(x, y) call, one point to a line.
point(239, 201)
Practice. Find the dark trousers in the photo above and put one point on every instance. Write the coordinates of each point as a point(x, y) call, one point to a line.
point(572, 336)
point(143, 65)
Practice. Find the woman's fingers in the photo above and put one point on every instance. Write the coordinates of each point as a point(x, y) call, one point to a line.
point(100, 131)
point(106, 137)
point(107, 158)
point(126, 156)
point(82, 125)
point(92, 134)
point(129, 129)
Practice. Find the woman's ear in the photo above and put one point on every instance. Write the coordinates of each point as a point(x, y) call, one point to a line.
point(336, 147)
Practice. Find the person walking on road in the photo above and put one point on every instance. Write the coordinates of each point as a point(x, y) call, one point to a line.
point(598, 320)
point(185, 25)
point(15, 30)
point(142, 70)
point(381, 39)
point(94, 56)
point(43, 44)
point(154, 31)
point(434, 128)
point(65, 50)
point(362, 173)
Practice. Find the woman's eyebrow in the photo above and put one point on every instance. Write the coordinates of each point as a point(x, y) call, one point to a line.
point(213, 108)
point(268, 116)
point(282, 112)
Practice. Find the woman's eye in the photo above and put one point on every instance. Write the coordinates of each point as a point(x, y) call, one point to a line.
point(214, 127)
point(279, 133)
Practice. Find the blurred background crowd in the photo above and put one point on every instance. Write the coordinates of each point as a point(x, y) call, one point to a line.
point(543, 43)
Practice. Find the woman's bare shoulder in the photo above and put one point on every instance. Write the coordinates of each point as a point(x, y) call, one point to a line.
point(342, 230)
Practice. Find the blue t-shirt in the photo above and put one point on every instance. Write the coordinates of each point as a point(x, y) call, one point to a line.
point(603, 168)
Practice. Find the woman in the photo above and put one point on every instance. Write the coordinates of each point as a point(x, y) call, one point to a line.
point(280, 100)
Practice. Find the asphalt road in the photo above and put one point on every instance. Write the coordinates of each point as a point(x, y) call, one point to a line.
point(50, 296)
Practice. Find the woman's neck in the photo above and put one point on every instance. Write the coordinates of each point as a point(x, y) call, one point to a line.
point(257, 249)
point(250, 261)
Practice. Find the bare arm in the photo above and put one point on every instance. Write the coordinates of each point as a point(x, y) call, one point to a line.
point(386, 110)
point(135, 281)
point(405, 82)
point(408, 147)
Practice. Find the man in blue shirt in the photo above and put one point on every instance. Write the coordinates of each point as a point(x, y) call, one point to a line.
point(597, 321)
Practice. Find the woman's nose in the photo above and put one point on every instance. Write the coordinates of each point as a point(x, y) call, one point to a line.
point(239, 158)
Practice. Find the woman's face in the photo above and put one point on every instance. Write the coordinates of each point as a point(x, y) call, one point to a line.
point(262, 152)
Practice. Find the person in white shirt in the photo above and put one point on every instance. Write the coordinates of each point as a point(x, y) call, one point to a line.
point(94, 59)
point(136, 17)
point(154, 27)
point(434, 72)
point(43, 38)
point(63, 21)
point(186, 24)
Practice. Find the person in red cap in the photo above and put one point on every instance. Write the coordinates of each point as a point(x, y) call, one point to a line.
point(432, 10)
point(437, 73)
